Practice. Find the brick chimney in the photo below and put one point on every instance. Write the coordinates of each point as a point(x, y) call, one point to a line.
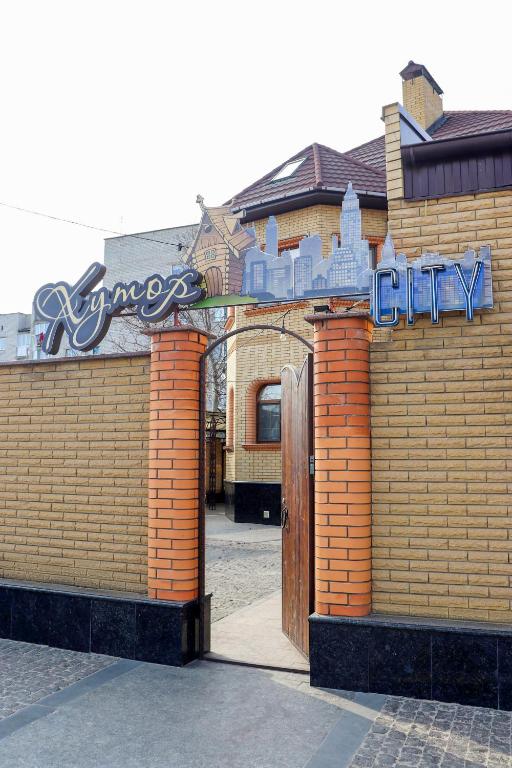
point(421, 94)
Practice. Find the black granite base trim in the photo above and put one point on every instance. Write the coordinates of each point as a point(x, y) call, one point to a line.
point(460, 662)
point(128, 627)
point(246, 502)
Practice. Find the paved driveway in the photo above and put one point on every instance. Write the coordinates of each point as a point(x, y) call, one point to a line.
point(107, 713)
point(138, 715)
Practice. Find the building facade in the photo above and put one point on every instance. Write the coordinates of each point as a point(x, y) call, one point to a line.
point(255, 360)
point(412, 572)
point(297, 208)
point(15, 336)
point(134, 257)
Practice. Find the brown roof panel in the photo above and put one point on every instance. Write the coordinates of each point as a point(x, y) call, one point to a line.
point(468, 123)
point(371, 153)
point(327, 169)
point(323, 169)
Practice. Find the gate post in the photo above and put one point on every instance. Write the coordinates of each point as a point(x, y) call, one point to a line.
point(341, 423)
point(174, 450)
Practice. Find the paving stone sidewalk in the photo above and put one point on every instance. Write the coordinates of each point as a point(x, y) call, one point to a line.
point(29, 672)
point(150, 716)
point(428, 734)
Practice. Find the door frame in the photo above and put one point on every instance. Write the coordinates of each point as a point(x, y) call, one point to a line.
point(204, 612)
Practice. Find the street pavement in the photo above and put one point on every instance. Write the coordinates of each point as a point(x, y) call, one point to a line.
point(136, 715)
point(109, 713)
point(416, 734)
point(62, 709)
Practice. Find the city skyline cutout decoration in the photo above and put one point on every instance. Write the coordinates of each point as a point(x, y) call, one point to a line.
point(237, 270)
point(225, 265)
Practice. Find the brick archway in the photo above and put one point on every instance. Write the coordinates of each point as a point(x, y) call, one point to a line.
point(176, 540)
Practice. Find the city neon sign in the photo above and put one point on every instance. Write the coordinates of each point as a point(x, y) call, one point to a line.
point(431, 284)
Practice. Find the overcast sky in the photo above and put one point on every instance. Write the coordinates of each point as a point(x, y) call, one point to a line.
point(117, 114)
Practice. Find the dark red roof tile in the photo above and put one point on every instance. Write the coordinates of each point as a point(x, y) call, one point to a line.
point(452, 124)
point(371, 153)
point(326, 168)
point(467, 123)
point(323, 168)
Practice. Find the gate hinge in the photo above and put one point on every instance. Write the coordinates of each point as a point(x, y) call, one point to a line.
point(311, 465)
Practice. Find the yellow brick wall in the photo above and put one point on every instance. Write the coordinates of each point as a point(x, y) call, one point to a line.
point(260, 355)
point(422, 101)
point(394, 171)
point(323, 220)
point(442, 431)
point(73, 472)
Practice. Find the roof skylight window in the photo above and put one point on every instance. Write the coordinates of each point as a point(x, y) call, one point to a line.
point(288, 169)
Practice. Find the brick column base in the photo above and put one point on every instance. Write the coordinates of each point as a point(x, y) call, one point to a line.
point(342, 464)
point(173, 509)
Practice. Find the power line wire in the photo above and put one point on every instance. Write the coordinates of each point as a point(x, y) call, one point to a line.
point(179, 246)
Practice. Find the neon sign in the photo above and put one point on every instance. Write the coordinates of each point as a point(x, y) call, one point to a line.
point(430, 284)
point(224, 261)
point(85, 315)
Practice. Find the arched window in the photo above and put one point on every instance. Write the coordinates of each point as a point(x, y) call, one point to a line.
point(268, 414)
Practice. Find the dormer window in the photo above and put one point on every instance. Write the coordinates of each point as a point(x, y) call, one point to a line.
point(288, 169)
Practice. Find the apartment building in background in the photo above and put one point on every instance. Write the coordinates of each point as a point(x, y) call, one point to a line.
point(135, 257)
point(15, 336)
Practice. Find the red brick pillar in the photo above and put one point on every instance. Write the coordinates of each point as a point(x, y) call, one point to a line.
point(342, 464)
point(173, 513)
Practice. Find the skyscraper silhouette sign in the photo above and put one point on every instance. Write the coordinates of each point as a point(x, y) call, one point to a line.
point(225, 266)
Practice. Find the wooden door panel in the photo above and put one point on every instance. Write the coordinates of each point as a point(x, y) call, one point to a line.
point(297, 496)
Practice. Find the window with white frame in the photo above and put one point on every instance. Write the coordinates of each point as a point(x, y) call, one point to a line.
point(23, 344)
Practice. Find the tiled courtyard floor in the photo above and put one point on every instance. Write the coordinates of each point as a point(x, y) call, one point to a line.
point(243, 563)
point(62, 709)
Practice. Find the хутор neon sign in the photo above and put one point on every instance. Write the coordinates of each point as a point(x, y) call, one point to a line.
point(430, 284)
point(85, 315)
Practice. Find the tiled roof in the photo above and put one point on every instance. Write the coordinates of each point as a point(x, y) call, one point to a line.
point(323, 169)
point(464, 123)
point(371, 153)
point(451, 125)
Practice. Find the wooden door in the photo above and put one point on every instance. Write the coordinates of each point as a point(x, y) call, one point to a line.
point(213, 277)
point(297, 501)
